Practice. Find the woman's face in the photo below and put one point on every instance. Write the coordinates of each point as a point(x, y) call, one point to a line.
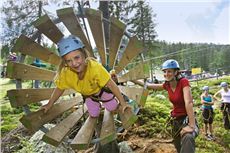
point(169, 74)
point(76, 61)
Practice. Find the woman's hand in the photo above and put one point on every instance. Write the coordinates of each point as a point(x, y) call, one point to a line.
point(186, 129)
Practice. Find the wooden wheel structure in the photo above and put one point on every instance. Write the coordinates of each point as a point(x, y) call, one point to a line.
point(21, 97)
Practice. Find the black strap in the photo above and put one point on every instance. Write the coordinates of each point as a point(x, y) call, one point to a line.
point(97, 98)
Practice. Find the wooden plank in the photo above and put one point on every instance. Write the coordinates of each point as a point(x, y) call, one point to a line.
point(27, 46)
point(35, 120)
point(46, 26)
point(108, 133)
point(28, 72)
point(96, 25)
point(144, 97)
point(70, 20)
point(133, 48)
point(140, 71)
point(84, 136)
point(57, 133)
point(128, 118)
point(20, 97)
point(117, 29)
point(132, 92)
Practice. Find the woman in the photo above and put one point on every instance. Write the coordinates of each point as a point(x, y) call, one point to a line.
point(224, 93)
point(207, 112)
point(184, 126)
point(85, 75)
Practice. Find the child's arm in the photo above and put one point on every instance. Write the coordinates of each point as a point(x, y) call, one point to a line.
point(116, 91)
point(54, 97)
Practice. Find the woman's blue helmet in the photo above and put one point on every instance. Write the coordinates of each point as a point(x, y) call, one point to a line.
point(170, 64)
point(69, 44)
point(223, 84)
point(205, 88)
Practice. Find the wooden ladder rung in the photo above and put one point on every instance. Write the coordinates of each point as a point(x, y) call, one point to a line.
point(108, 133)
point(84, 136)
point(128, 118)
point(57, 133)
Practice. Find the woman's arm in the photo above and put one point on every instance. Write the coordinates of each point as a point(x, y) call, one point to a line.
point(202, 100)
point(216, 96)
point(205, 102)
point(54, 97)
point(212, 103)
point(189, 106)
point(149, 86)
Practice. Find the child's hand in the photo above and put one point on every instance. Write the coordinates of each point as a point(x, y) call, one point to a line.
point(46, 107)
point(126, 107)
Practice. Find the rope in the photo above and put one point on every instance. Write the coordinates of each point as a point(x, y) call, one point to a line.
point(81, 12)
point(187, 50)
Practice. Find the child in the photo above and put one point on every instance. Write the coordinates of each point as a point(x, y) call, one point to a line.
point(85, 75)
point(207, 112)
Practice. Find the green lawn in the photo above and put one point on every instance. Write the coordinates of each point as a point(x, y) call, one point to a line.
point(9, 116)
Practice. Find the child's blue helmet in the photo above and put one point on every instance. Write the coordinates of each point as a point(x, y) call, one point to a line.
point(69, 44)
point(223, 84)
point(170, 64)
point(205, 88)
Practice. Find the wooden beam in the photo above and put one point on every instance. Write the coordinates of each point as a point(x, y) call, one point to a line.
point(140, 71)
point(132, 92)
point(128, 118)
point(46, 26)
point(84, 136)
point(96, 25)
point(35, 120)
point(27, 46)
point(108, 133)
point(28, 72)
point(117, 29)
point(133, 48)
point(144, 97)
point(72, 23)
point(57, 133)
point(20, 97)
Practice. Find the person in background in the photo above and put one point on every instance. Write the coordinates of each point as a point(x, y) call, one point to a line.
point(207, 112)
point(184, 125)
point(223, 95)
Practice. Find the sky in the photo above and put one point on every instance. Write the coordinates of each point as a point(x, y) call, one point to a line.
point(193, 20)
point(202, 21)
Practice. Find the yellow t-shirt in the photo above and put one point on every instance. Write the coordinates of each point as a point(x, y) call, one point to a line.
point(95, 78)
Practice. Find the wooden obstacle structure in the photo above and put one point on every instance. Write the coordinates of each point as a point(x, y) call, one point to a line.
point(22, 97)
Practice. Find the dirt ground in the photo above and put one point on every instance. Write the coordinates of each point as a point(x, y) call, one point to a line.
point(11, 142)
point(143, 145)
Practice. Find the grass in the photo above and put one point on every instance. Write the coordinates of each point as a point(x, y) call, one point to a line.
point(154, 117)
point(9, 116)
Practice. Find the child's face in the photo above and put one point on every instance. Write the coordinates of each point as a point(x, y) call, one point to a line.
point(75, 60)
